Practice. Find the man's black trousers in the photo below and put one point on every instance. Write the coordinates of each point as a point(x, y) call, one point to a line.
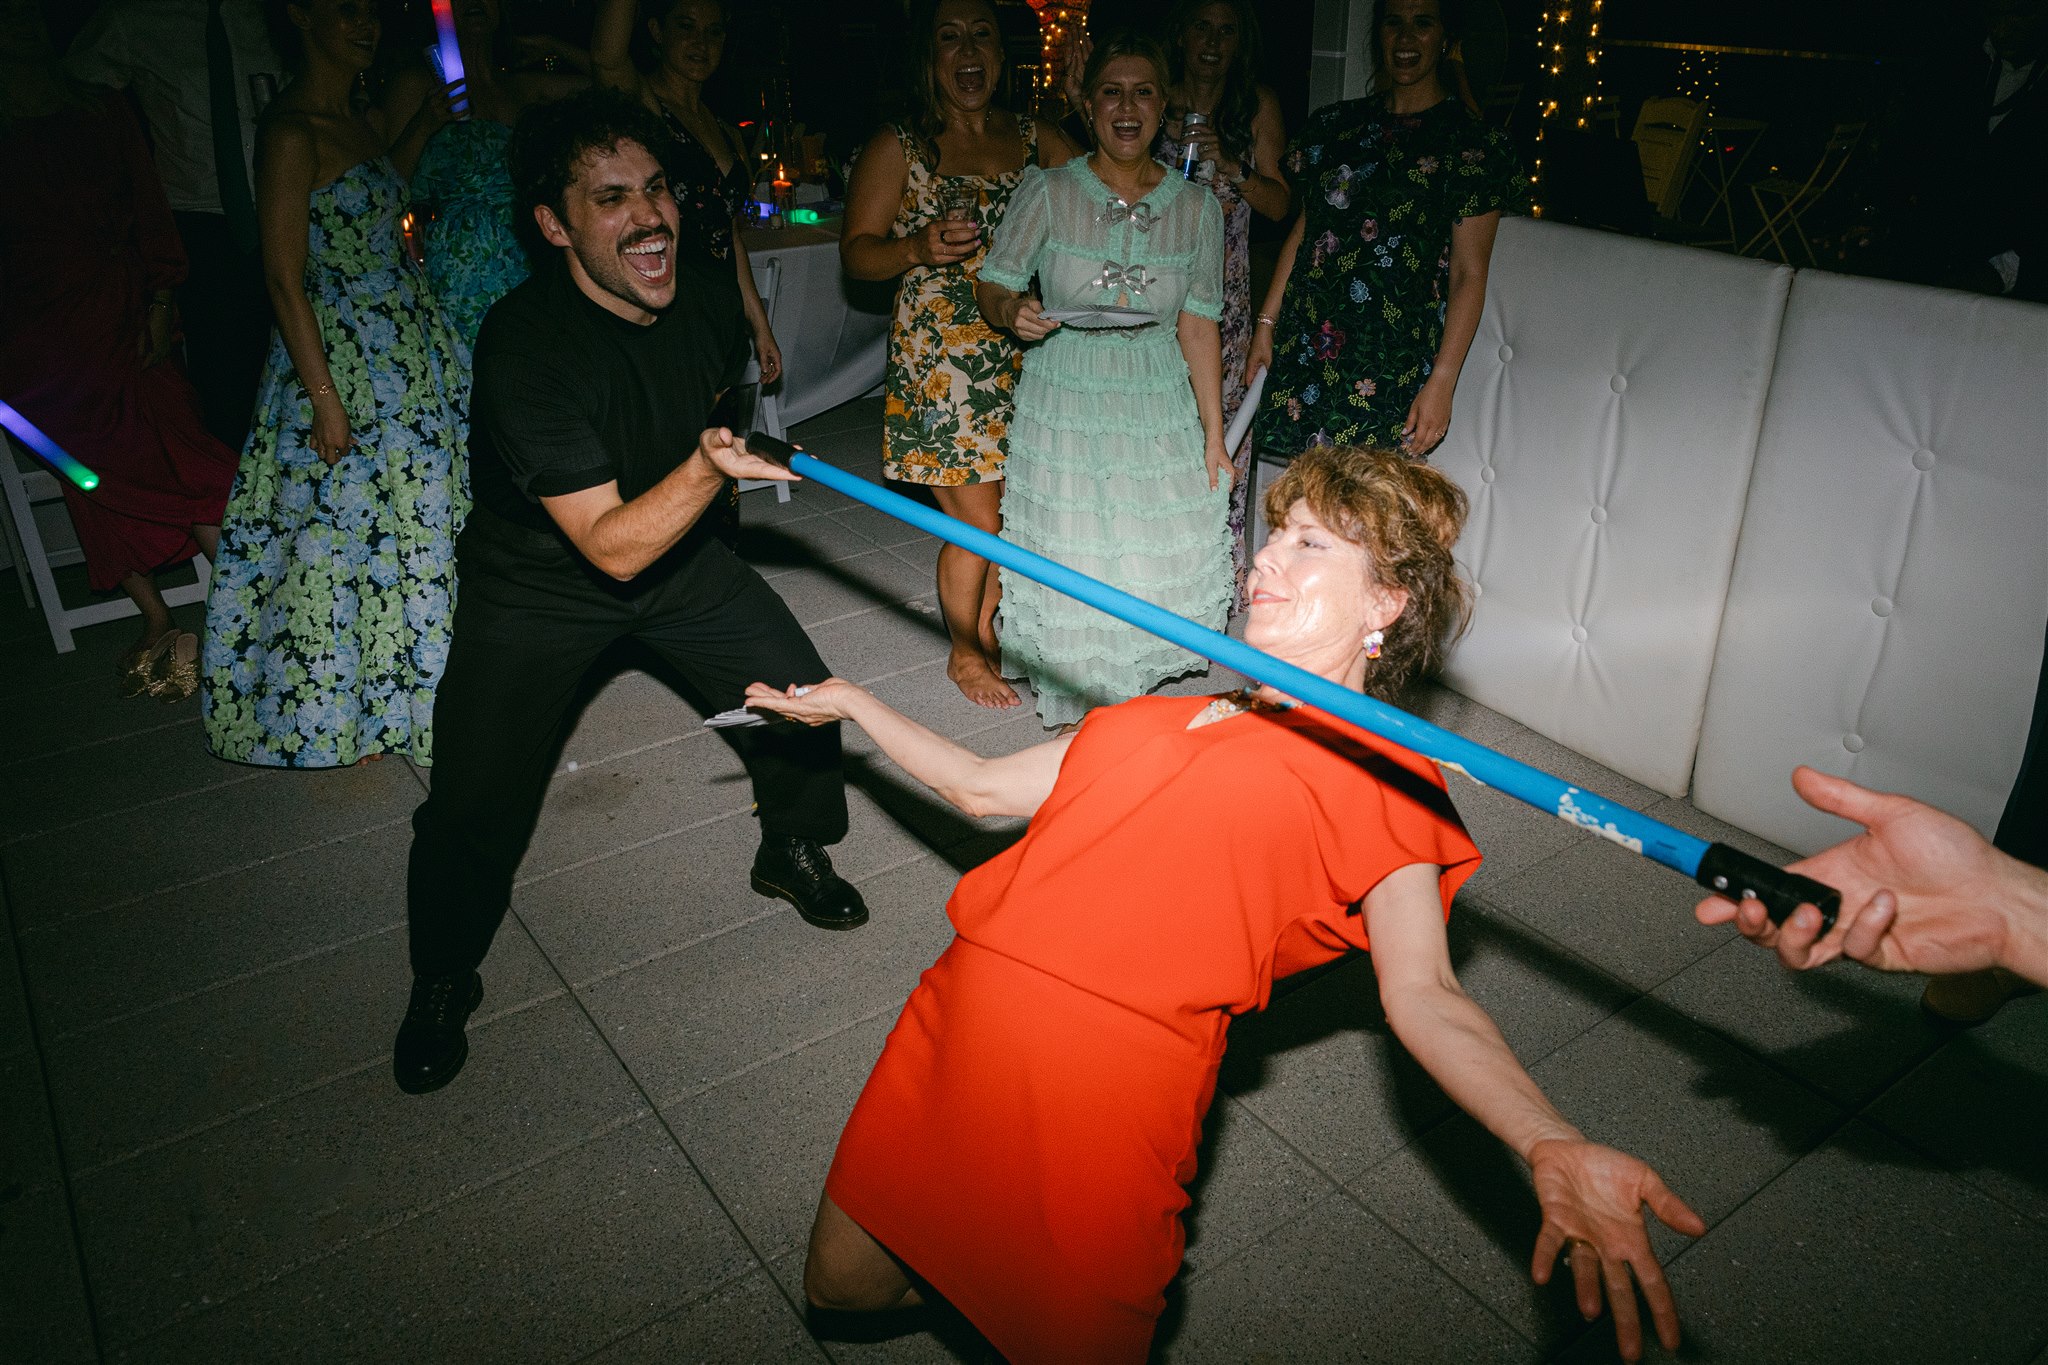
point(531, 617)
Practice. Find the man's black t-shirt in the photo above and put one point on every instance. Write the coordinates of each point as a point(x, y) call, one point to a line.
point(569, 396)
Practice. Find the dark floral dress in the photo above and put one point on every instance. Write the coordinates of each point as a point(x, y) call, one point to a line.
point(1363, 314)
point(708, 198)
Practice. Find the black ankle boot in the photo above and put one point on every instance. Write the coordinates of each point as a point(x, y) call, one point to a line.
point(432, 1045)
point(798, 871)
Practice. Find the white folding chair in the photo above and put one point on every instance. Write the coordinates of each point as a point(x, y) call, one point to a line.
point(767, 406)
point(26, 487)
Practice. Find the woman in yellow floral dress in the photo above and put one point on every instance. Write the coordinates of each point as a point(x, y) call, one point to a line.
point(950, 377)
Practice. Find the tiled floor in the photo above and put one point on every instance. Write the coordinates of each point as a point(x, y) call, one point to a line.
point(205, 1159)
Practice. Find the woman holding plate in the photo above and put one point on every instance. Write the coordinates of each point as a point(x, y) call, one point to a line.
point(1117, 467)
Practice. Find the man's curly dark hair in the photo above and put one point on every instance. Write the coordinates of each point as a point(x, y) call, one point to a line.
point(552, 138)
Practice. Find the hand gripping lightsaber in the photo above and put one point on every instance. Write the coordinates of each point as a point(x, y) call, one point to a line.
point(449, 53)
point(1721, 869)
point(52, 454)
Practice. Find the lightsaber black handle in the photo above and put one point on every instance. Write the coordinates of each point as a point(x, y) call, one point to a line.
point(1741, 876)
point(770, 449)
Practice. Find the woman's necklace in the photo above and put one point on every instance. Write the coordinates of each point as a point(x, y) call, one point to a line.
point(1231, 703)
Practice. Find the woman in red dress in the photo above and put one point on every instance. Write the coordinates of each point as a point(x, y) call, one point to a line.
point(87, 263)
point(1023, 1145)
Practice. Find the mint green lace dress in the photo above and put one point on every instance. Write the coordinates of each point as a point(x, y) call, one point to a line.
point(1105, 469)
point(463, 188)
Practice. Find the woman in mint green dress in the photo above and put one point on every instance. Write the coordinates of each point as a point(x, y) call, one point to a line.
point(327, 623)
point(1116, 465)
point(462, 192)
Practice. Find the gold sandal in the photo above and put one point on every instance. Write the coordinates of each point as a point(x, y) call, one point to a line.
point(137, 669)
point(177, 672)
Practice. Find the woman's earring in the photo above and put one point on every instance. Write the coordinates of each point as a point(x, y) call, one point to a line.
point(1373, 643)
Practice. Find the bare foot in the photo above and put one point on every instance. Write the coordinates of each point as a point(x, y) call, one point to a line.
point(977, 681)
point(368, 759)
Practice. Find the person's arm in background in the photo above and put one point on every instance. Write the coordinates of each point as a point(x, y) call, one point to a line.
point(611, 47)
point(1429, 416)
point(414, 108)
point(1921, 892)
point(286, 161)
point(1590, 1193)
point(1008, 784)
point(1259, 354)
point(156, 240)
point(868, 248)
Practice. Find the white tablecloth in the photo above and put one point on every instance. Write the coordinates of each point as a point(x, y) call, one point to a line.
point(833, 331)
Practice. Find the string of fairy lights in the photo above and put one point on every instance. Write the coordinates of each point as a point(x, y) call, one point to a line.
point(1060, 22)
point(1570, 84)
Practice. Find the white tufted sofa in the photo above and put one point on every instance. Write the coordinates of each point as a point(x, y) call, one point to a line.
point(1728, 517)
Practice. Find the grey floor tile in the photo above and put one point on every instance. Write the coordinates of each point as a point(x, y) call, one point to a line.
point(28, 1135)
point(202, 1221)
point(746, 1322)
point(1247, 1183)
point(1333, 1284)
point(764, 1140)
point(698, 1017)
point(1861, 1256)
point(814, 540)
point(876, 644)
point(821, 593)
point(50, 793)
point(1512, 836)
point(33, 664)
point(1715, 1124)
point(1980, 1104)
point(78, 721)
point(611, 913)
point(1621, 912)
point(174, 943)
point(880, 527)
point(935, 1334)
point(630, 712)
point(1681, 815)
point(611, 806)
point(1322, 1067)
point(45, 1316)
point(599, 1240)
point(122, 857)
point(153, 1076)
point(1844, 1030)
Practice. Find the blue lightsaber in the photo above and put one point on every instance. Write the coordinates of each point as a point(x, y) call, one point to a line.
point(1721, 869)
point(30, 435)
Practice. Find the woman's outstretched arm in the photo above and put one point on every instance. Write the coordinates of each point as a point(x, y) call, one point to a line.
point(1012, 784)
point(1592, 1196)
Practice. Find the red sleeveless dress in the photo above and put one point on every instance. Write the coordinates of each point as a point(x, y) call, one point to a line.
point(1024, 1140)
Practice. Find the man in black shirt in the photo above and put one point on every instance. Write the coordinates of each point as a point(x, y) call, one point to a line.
point(593, 381)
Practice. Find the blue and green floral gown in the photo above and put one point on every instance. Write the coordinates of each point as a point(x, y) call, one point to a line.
point(327, 624)
point(463, 188)
point(1363, 316)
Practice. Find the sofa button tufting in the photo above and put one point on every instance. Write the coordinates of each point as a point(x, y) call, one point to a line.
point(1507, 353)
point(1599, 516)
point(1579, 634)
point(1618, 383)
point(1853, 743)
point(1486, 473)
point(1923, 460)
point(1881, 606)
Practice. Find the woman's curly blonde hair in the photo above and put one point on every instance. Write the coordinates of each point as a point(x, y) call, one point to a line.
point(1406, 517)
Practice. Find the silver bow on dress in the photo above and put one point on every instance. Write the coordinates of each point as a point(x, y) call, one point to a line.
point(1140, 216)
point(1133, 278)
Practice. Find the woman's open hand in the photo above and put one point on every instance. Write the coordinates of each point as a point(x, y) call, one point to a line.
point(1592, 1198)
point(818, 704)
point(944, 241)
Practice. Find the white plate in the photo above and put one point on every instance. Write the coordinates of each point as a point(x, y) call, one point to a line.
point(1088, 319)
